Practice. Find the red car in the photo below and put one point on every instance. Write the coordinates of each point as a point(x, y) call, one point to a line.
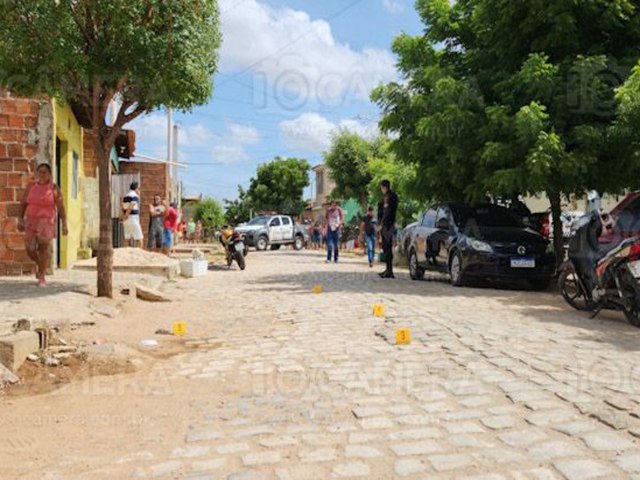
point(623, 221)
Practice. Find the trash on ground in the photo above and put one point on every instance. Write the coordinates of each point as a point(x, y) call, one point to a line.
point(149, 343)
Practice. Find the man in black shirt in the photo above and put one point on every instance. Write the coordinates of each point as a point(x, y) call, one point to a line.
point(368, 228)
point(387, 209)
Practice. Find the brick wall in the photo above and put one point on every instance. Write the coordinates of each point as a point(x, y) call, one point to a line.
point(153, 180)
point(25, 140)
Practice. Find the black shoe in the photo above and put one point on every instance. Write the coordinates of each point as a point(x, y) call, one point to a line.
point(383, 274)
point(388, 275)
point(370, 264)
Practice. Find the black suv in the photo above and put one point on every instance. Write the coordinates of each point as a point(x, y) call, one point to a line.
point(479, 241)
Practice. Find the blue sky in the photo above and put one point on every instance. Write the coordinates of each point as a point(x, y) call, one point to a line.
point(291, 72)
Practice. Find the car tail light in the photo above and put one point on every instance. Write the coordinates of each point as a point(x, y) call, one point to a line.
point(634, 251)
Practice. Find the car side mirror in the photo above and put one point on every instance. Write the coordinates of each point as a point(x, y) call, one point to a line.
point(443, 224)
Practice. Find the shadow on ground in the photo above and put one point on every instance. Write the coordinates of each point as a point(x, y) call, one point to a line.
point(23, 290)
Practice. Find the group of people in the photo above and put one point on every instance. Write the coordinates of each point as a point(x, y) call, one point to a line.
point(374, 229)
point(166, 227)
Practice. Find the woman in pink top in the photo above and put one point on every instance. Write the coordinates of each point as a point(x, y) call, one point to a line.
point(40, 205)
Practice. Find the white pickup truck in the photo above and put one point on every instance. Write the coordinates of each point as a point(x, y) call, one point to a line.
point(273, 231)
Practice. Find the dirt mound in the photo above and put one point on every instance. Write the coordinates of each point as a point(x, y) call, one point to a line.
point(127, 257)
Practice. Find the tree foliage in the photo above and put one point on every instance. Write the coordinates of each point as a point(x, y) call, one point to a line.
point(348, 162)
point(510, 98)
point(146, 54)
point(279, 186)
point(210, 213)
point(384, 165)
point(238, 210)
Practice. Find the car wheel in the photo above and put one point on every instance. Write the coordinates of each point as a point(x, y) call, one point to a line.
point(455, 270)
point(262, 243)
point(298, 244)
point(415, 271)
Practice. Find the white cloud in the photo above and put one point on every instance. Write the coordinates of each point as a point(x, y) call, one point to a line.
point(229, 153)
point(295, 57)
point(394, 6)
point(311, 132)
point(243, 133)
point(153, 129)
point(231, 146)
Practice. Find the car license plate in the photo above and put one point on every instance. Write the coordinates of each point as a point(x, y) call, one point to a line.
point(523, 263)
point(239, 246)
point(634, 267)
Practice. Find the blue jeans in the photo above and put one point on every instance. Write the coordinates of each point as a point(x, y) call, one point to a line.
point(333, 242)
point(371, 246)
point(168, 238)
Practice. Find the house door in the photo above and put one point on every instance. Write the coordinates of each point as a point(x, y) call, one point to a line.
point(58, 179)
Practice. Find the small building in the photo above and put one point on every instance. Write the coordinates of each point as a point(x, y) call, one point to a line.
point(322, 186)
point(43, 130)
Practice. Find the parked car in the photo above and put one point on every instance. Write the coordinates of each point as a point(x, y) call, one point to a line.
point(542, 223)
point(479, 241)
point(273, 231)
point(623, 221)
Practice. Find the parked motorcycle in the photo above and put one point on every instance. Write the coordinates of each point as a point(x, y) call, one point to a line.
point(597, 277)
point(234, 246)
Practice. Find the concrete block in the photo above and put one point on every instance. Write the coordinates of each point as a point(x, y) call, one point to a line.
point(15, 348)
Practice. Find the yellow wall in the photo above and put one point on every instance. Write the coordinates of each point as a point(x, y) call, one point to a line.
point(69, 132)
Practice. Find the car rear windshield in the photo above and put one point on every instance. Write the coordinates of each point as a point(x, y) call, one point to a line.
point(258, 221)
point(485, 216)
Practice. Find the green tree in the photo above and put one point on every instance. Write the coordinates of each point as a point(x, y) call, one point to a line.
point(210, 213)
point(145, 54)
point(279, 186)
point(385, 165)
point(238, 210)
point(348, 162)
point(504, 98)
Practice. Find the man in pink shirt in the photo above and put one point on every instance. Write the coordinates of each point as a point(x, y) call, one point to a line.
point(333, 223)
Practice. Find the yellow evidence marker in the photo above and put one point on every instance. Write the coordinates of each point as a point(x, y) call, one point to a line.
point(378, 310)
point(403, 336)
point(317, 288)
point(179, 329)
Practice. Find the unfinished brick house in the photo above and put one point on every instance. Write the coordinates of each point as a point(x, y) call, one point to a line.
point(34, 131)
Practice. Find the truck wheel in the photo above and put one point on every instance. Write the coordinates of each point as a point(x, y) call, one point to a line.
point(455, 270)
point(262, 243)
point(298, 244)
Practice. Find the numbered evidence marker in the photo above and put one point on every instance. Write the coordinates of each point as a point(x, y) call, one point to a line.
point(378, 310)
point(179, 329)
point(403, 336)
point(317, 288)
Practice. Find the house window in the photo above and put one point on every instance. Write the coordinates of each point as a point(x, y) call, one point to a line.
point(320, 183)
point(74, 181)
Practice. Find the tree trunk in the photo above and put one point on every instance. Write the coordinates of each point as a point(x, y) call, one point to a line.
point(105, 250)
point(558, 240)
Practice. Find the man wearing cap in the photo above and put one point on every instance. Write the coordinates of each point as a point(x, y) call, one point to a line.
point(387, 209)
point(131, 217)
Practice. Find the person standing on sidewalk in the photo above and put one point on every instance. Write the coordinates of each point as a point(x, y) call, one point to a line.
point(333, 222)
point(170, 225)
point(39, 209)
point(156, 224)
point(387, 209)
point(368, 233)
point(130, 217)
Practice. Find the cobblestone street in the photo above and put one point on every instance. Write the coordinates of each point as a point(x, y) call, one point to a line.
point(496, 384)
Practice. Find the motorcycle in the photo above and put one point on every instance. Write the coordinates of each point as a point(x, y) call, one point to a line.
point(597, 277)
point(234, 246)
